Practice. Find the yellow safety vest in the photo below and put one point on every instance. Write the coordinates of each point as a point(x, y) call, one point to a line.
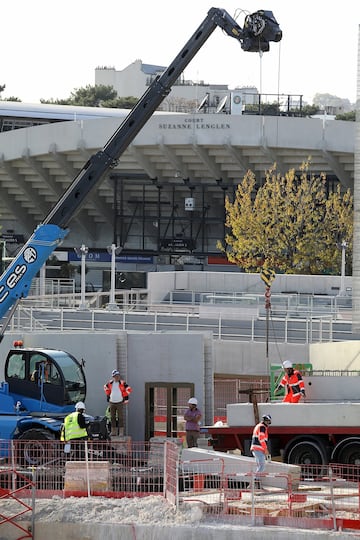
point(72, 430)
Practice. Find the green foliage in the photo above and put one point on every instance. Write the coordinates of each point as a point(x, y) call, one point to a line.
point(12, 98)
point(348, 116)
point(289, 224)
point(273, 109)
point(65, 269)
point(309, 110)
point(95, 96)
point(265, 109)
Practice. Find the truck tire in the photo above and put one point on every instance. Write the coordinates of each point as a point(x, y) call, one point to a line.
point(309, 453)
point(34, 448)
point(347, 452)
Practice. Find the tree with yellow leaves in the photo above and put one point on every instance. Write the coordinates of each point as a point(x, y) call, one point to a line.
point(290, 224)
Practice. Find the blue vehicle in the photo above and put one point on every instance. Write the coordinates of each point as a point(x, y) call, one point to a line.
point(41, 387)
point(42, 380)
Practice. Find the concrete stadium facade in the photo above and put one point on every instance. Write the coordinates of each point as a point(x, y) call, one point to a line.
point(200, 157)
point(175, 159)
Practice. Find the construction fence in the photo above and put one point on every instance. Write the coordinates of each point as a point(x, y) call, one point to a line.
point(323, 497)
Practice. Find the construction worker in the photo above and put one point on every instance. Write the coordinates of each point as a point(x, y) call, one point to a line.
point(192, 417)
point(259, 446)
point(41, 371)
point(293, 383)
point(74, 427)
point(117, 392)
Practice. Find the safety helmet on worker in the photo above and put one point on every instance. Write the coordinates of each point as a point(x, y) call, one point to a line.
point(287, 364)
point(266, 418)
point(115, 372)
point(80, 406)
point(193, 401)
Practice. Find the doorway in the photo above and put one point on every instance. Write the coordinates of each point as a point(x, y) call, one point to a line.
point(165, 404)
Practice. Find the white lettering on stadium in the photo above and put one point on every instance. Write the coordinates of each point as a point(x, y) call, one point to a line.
point(195, 126)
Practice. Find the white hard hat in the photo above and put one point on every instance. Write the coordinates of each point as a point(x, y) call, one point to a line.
point(287, 364)
point(80, 405)
point(193, 401)
point(267, 417)
point(115, 372)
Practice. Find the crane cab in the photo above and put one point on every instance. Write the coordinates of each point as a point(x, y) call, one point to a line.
point(46, 380)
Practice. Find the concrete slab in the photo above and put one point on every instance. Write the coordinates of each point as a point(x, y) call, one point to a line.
point(300, 414)
point(210, 461)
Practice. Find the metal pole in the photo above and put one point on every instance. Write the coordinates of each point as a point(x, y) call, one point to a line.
point(83, 251)
point(268, 276)
point(42, 280)
point(113, 250)
point(343, 261)
point(87, 469)
point(2, 257)
point(267, 334)
point(333, 506)
point(33, 502)
point(267, 307)
point(112, 304)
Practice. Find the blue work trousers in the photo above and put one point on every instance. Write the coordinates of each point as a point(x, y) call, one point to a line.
point(260, 461)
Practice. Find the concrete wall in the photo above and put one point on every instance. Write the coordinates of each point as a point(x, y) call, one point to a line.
point(156, 357)
point(343, 355)
point(150, 357)
point(91, 530)
point(159, 284)
point(247, 358)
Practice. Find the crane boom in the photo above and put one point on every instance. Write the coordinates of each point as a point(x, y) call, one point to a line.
point(259, 29)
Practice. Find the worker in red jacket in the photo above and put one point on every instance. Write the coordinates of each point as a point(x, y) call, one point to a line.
point(117, 392)
point(293, 383)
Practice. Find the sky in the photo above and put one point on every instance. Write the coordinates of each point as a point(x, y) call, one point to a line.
point(49, 49)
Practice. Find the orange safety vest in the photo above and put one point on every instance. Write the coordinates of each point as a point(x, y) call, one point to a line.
point(125, 389)
point(294, 384)
point(259, 438)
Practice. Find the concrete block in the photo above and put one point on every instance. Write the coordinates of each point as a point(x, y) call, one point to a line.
point(81, 474)
point(240, 414)
point(312, 414)
point(299, 414)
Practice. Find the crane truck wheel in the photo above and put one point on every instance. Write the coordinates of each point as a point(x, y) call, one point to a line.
point(347, 452)
point(308, 453)
point(34, 448)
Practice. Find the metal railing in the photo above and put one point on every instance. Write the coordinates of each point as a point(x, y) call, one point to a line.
point(281, 329)
point(125, 299)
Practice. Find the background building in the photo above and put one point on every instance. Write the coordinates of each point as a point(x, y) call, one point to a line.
point(163, 203)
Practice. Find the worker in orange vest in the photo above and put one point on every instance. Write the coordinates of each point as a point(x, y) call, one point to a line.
point(293, 383)
point(259, 446)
